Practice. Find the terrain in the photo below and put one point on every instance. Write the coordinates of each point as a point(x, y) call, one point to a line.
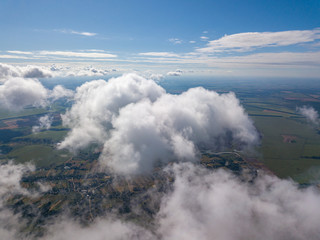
point(73, 182)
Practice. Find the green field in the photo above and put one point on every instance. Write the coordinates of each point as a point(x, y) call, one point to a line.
point(54, 136)
point(40, 155)
point(289, 145)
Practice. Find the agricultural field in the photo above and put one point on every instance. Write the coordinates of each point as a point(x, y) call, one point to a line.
point(290, 145)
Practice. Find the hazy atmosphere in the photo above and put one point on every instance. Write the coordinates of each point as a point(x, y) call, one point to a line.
point(159, 120)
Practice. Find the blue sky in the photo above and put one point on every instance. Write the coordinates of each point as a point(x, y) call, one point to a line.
point(230, 37)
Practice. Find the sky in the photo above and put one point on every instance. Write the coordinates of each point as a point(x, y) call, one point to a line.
point(220, 38)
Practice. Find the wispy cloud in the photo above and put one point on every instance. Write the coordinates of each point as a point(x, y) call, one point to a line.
point(249, 41)
point(159, 54)
point(89, 54)
point(7, 56)
point(20, 52)
point(204, 38)
point(87, 34)
point(175, 40)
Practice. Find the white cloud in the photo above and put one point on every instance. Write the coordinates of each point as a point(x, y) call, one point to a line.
point(97, 102)
point(175, 73)
point(175, 40)
point(310, 113)
point(86, 71)
point(29, 71)
point(109, 228)
point(10, 176)
point(20, 52)
point(17, 93)
point(204, 38)
point(249, 41)
point(6, 56)
point(35, 72)
point(139, 124)
point(216, 205)
point(20, 87)
point(156, 76)
point(32, 71)
point(159, 54)
point(200, 204)
point(89, 54)
point(192, 42)
point(87, 34)
point(44, 123)
point(60, 92)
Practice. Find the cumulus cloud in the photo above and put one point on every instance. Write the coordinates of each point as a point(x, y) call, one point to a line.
point(97, 102)
point(17, 93)
point(310, 113)
point(156, 76)
point(44, 123)
point(175, 73)
point(204, 204)
point(86, 71)
point(35, 72)
point(216, 205)
point(29, 71)
point(60, 92)
point(139, 123)
point(251, 40)
point(20, 87)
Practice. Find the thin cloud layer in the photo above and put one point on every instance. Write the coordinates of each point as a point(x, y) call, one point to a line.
point(159, 54)
point(139, 123)
point(88, 54)
point(249, 41)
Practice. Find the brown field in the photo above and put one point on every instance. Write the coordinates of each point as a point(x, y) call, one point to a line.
point(271, 111)
point(289, 138)
point(12, 123)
